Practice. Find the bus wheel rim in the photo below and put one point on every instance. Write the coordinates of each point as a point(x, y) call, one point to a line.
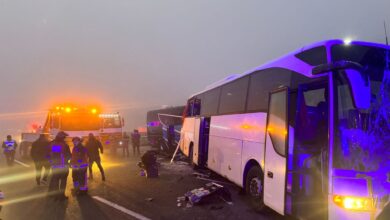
point(255, 187)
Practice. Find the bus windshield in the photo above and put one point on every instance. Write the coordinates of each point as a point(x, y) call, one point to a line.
point(362, 134)
point(114, 122)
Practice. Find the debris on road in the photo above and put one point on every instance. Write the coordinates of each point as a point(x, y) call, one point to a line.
point(204, 194)
point(213, 207)
point(201, 174)
point(182, 163)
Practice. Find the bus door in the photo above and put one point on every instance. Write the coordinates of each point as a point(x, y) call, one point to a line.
point(197, 135)
point(307, 154)
point(201, 139)
point(276, 151)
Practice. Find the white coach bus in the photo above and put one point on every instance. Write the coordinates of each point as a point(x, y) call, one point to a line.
point(307, 135)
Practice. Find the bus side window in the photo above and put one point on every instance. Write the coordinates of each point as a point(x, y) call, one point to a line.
point(193, 107)
point(196, 107)
point(189, 108)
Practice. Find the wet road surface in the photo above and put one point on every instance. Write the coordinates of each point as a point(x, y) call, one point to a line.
point(124, 195)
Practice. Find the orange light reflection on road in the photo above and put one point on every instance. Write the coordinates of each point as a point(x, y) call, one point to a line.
point(5, 179)
point(25, 198)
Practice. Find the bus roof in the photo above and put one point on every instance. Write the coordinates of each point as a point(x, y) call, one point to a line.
point(291, 62)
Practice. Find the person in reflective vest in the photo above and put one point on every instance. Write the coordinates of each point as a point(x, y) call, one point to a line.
point(59, 157)
point(79, 164)
point(9, 147)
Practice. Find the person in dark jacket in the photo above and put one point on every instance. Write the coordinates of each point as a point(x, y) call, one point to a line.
point(9, 147)
point(135, 141)
point(79, 164)
point(93, 146)
point(125, 144)
point(40, 153)
point(59, 156)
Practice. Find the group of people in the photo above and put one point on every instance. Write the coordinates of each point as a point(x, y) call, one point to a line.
point(56, 156)
point(135, 142)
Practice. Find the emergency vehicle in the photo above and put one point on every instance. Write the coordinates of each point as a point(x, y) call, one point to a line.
point(79, 121)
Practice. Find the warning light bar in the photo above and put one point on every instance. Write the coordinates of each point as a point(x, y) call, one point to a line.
point(108, 115)
point(71, 108)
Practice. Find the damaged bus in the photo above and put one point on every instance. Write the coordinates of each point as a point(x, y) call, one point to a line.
point(307, 135)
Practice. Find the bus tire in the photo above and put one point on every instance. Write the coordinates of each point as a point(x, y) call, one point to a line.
point(254, 188)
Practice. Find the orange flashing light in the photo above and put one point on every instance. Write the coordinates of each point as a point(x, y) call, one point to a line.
point(276, 130)
point(354, 203)
point(94, 111)
point(68, 109)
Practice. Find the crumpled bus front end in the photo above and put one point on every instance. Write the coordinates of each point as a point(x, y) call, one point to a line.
point(361, 154)
point(359, 195)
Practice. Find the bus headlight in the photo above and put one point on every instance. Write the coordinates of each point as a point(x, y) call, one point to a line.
point(120, 142)
point(354, 203)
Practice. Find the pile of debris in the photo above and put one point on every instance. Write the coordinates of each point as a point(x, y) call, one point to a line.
point(204, 195)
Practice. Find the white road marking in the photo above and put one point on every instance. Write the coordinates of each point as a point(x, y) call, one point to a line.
point(121, 208)
point(21, 163)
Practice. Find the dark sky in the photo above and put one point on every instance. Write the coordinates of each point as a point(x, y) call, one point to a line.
point(137, 54)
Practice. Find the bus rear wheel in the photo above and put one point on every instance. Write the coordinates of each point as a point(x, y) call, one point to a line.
point(254, 188)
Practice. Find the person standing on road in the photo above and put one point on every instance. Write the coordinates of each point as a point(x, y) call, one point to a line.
point(125, 144)
point(93, 146)
point(59, 156)
point(40, 153)
point(79, 164)
point(9, 147)
point(135, 141)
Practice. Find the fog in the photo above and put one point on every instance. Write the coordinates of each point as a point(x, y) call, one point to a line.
point(133, 55)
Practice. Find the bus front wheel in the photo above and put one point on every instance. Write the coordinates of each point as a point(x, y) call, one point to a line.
point(254, 188)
